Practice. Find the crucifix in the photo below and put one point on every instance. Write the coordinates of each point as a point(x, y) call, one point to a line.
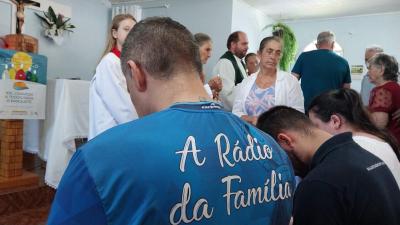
point(20, 11)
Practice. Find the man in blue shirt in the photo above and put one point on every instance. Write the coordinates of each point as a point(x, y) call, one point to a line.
point(322, 69)
point(185, 160)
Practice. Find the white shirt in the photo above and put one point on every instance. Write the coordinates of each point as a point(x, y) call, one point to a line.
point(226, 71)
point(383, 151)
point(287, 92)
point(109, 101)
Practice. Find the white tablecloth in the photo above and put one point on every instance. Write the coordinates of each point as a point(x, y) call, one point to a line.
point(32, 131)
point(67, 118)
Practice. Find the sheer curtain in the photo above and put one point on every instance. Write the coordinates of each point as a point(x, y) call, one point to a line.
point(126, 8)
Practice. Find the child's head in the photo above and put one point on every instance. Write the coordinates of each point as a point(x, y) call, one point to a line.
point(120, 27)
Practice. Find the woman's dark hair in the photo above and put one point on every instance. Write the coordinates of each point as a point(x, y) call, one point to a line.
point(348, 104)
point(389, 63)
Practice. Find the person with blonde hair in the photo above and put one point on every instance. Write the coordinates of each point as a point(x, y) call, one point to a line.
point(109, 101)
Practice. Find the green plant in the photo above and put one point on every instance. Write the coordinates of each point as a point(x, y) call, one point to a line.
point(289, 44)
point(55, 24)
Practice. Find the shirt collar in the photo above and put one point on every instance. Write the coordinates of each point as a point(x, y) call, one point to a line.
point(329, 146)
point(116, 52)
point(203, 105)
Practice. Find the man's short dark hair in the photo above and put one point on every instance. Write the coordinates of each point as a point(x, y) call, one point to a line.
point(162, 47)
point(280, 118)
point(234, 37)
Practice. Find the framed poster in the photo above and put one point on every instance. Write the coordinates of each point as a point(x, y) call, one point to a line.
point(22, 85)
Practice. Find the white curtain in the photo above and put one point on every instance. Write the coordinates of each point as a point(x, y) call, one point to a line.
point(126, 8)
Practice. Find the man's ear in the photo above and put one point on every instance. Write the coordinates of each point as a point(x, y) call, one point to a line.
point(138, 76)
point(285, 141)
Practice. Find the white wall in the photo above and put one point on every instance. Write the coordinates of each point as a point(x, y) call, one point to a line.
point(354, 34)
point(5, 18)
point(252, 21)
point(215, 18)
point(206, 16)
point(81, 51)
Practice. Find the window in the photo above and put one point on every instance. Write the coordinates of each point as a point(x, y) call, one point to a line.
point(337, 48)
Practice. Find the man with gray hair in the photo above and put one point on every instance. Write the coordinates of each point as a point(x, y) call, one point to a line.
point(366, 85)
point(322, 69)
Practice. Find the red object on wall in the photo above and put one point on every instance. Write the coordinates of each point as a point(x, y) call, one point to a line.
point(20, 75)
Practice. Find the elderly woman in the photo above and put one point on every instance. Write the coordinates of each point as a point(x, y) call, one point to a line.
point(268, 87)
point(214, 85)
point(342, 110)
point(383, 71)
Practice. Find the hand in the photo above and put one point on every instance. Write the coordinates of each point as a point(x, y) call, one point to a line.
point(396, 116)
point(215, 84)
point(215, 95)
point(250, 119)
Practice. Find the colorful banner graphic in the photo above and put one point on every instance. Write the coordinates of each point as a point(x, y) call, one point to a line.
point(22, 85)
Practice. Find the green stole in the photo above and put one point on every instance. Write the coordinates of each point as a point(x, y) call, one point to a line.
point(238, 73)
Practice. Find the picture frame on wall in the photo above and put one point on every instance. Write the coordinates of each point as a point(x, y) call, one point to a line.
point(8, 24)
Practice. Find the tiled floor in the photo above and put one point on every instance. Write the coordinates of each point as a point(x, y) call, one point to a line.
point(30, 205)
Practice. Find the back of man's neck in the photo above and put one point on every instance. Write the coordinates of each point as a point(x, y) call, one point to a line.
point(181, 88)
point(315, 140)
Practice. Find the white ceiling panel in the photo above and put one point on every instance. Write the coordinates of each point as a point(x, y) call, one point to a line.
point(311, 9)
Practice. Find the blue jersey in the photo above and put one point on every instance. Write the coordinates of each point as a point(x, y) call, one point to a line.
point(190, 163)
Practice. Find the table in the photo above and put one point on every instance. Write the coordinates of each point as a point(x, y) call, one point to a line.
point(67, 118)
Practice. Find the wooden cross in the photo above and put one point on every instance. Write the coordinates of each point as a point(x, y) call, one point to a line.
point(20, 11)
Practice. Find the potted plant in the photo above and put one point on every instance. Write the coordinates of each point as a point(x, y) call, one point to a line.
point(55, 25)
point(289, 44)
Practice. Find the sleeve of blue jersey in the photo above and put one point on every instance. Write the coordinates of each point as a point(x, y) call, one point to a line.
point(77, 200)
point(298, 65)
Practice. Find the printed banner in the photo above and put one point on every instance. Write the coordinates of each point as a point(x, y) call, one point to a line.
point(22, 85)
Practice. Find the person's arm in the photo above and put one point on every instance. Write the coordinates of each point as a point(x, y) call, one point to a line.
point(317, 203)
point(380, 107)
point(396, 115)
point(380, 119)
point(297, 68)
point(226, 72)
point(238, 104)
point(208, 90)
point(296, 75)
point(347, 77)
point(296, 98)
point(77, 200)
point(111, 86)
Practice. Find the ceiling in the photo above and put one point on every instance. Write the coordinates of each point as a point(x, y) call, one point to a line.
point(312, 9)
